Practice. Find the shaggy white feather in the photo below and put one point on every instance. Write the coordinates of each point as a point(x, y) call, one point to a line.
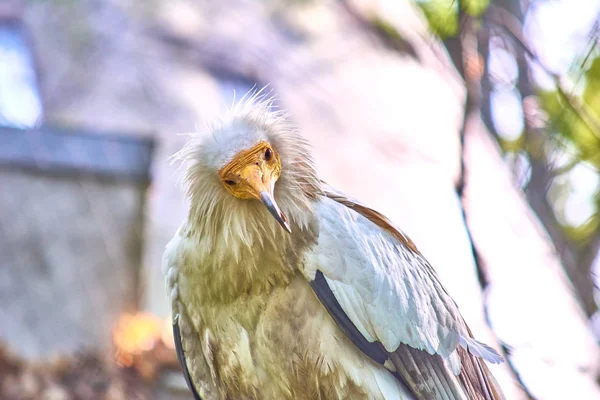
point(211, 219)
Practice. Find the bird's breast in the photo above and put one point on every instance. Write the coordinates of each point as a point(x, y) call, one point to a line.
point(283, 344)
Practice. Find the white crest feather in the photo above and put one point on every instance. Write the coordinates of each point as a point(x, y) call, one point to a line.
point(228, 225)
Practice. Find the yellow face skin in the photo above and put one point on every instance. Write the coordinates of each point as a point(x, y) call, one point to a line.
point(252, 174)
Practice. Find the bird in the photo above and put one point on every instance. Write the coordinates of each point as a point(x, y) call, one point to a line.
point(282, 287)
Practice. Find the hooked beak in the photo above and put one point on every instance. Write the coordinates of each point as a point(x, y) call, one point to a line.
point(261, 185)
point(273, 208)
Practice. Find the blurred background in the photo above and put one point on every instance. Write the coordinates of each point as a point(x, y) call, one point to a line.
point(474, 125)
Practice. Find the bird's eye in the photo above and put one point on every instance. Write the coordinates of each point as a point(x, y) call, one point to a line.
point(230, 182)
point(268, 154)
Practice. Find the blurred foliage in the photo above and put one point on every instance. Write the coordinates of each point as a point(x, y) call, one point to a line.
point(512, 146)
point(569, 123)
point(580, 129)
point(556, 156)
point(475, 8)
point(591, 93)
point(442, 15)
point(565, 123)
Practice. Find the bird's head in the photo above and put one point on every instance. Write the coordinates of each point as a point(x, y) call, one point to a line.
point(252, 174)
point(249, 162)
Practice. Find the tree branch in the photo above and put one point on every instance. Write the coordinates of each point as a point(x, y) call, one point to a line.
point(577, 260)
point(512, 26)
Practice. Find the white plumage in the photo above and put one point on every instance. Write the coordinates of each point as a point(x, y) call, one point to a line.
point(391, 294)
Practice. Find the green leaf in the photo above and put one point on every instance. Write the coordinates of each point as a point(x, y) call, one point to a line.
point(442, 16)
point(475, 8)
point(567, 123)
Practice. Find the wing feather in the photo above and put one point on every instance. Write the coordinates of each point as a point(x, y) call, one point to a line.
point(189, 348)
point(385, 293)
point(182, 358)
point(371, 348)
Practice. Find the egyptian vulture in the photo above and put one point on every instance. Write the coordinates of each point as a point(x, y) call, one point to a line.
point(281, 287)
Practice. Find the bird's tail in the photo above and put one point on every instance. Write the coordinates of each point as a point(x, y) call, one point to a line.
point(490, 381)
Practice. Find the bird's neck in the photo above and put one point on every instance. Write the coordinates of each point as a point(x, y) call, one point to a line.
point(245, 254)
